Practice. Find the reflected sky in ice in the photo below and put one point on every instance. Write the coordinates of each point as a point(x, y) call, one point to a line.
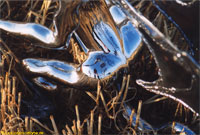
point(29, 29)
point(131, 39)
point(52, 68)
point(117, 14)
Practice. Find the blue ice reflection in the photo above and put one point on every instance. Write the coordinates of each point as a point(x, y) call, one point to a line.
point(117, 14)
point(42, 82)
point(33, 30)
point(99, 65)
point(183, 129)
point(106, 37)
point(131, 39)
point(52, 68)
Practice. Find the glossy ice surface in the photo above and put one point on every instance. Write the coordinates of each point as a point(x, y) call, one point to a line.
point(112, 44)
point(30, 29)
point(42, 82)
point(52, 68)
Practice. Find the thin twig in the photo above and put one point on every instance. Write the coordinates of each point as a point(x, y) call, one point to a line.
point(40, 124)
point(138, 114)
point(105, 106)
point(69, 132)
point(126, 91)
point(78, 120)
point(54, 125)
point(99, 124)
point(91, 122)
point(98, 92)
